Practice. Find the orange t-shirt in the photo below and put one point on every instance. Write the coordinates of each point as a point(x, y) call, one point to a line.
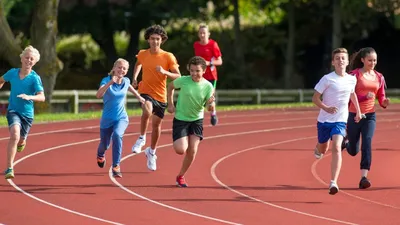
point(154, 83)
point(362, 88)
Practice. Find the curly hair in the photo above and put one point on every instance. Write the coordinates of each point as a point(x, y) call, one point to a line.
point(197, 60)
point(156, 29)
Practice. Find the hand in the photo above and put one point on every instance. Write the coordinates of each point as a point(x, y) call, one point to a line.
point(134, 84)
point(386, 102)
point(141, 99)
point(171, 108)
point(211, 106)
point(114, 78)
point(25, 97)
point(160, 69)
point(331, 110)
point(370, 95)
point(358, 117)
point(211, 100)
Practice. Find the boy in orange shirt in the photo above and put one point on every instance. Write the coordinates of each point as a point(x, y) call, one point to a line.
point(157, 65)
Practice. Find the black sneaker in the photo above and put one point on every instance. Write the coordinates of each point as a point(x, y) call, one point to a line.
point(101, 161)
point(364, 183)
point(214, 120)
point(344, 143)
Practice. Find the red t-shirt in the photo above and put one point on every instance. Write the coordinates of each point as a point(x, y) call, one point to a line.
point(208, 51)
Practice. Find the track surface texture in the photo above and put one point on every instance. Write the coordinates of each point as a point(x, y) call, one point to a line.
point(254, 167)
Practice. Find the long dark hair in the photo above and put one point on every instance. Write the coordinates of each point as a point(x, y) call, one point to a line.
point(355, 59)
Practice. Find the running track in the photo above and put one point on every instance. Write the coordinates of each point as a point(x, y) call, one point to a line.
point(255, 167)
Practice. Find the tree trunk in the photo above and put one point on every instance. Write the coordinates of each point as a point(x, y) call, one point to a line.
point(44, 31)
point(290, 49)
point(9, 48)
point(240, 62)
point(337, 21)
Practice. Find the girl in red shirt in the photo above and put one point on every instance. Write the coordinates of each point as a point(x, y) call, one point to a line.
point(209, 50)
point(370, 86)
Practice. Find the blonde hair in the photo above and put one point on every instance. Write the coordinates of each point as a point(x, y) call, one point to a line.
point(32, 50)
point(120, 60)
point(337, 51)
point(203, 25)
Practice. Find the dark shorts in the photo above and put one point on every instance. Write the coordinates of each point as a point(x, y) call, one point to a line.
point(158, 107)
point(213, 82)
point(182, 129)
point(14, 118)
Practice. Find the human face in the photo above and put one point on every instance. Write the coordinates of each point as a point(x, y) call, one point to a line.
point(28, 60)
point(155, 41)
point(370, 61)
point(340, 61)
point(120, 69)
point(197, 72)
point(204, 34)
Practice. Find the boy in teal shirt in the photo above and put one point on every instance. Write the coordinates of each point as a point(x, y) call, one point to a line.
point(187, 131)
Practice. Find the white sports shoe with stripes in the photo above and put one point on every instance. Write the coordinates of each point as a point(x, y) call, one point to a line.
point(137, 147)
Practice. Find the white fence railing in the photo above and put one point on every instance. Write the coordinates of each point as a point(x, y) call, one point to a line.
point(77, 98)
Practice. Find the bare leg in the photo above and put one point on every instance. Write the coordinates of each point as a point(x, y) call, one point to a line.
point(336, 163)
point(12, 144)
point(190, 154)
point(156, 132)
point(147, 108)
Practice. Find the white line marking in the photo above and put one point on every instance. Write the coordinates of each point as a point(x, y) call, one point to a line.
point(97, 139)
point(215, 177)
point(316, 176)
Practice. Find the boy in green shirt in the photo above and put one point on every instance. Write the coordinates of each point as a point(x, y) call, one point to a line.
point(187, 131)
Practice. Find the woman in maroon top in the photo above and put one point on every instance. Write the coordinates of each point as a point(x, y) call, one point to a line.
point(209, 50)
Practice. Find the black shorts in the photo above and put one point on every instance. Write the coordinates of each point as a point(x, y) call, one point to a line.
point(158, 107)
point(183, 128)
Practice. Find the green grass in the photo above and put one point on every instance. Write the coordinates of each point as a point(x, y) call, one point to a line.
point(45, 118)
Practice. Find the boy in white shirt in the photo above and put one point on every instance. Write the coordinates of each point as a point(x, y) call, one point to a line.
point(336, 87)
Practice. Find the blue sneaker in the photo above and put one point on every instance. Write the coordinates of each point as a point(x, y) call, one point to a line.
point(9, 173)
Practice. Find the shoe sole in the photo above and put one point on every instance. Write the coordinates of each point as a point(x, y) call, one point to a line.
point(333, 190)
point(9, 176)
point(20, 148)
point(364, 184)
point(148, 167)
point(179, 185)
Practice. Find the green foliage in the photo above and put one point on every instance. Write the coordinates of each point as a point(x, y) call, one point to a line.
point(78, 50)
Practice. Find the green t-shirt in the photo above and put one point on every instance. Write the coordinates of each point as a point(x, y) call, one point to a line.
point(192, 98)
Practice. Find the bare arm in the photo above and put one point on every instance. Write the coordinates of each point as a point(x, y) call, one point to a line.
point(354, 100)
point(175, 73)
point(170, 93)
point(136, 71)
point(215, 62)
point(103, 89)
point(2, 81)
point(316, 99)
point(39, 97)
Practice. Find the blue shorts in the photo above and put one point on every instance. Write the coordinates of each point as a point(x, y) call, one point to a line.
point(327, 130)
point(14, 118)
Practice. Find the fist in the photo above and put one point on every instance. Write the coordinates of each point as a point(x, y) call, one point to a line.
point(160, 69)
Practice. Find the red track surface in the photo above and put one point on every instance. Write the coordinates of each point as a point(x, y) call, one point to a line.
point(255, 167)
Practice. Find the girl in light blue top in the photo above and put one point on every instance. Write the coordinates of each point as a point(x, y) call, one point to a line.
point(114, 119)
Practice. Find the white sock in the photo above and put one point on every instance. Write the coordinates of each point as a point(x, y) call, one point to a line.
point(142, 137)
point(152, 151)
point(213, 113)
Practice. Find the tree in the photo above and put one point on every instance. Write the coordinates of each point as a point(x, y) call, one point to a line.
point(43, 33)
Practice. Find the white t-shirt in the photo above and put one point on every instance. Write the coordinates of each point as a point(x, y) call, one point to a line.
point(336, 92)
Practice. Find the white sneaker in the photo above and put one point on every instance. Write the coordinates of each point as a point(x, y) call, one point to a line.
point(317, 154)
point(151, 159)
point(333, 188)
point(137, 148)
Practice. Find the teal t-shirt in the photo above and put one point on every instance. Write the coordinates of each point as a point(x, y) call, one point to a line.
point(30, 85)
point(192, 98)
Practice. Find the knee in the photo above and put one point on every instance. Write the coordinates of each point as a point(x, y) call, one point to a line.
point(179, 149)
point(352, 149)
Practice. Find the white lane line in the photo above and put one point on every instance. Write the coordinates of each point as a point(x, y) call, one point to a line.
point(206, 138)
point(215, 177)
point(318, 178)
point(94, 140)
